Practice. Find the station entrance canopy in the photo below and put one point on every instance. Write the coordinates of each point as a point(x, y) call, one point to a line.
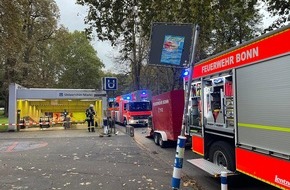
point(33, 103)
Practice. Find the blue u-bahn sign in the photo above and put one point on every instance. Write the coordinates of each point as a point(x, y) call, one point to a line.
point(110, 83)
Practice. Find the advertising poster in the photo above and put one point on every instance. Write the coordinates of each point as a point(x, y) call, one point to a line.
point(172, 49)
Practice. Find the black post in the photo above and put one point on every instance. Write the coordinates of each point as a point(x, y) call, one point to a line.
point(18, 120)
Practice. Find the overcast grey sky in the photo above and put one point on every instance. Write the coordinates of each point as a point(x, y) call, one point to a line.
point(72, 17)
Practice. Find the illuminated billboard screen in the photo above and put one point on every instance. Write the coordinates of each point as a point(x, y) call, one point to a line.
point(170, 44)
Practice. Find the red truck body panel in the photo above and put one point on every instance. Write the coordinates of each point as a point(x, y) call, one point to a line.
point(167, 110)
point(274, 171)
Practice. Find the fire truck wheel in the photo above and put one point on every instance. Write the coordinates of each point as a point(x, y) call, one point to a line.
point(162, 143)
point(156, 138)
point(222, 154)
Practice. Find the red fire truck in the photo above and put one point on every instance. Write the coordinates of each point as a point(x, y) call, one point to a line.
point(133, 108)
point(167, 110)
point(239, 110)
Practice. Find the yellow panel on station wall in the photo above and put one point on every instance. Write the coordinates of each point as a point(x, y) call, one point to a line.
point(25, 108)
point(20, 107)
point(99, 113)
point(78, 116)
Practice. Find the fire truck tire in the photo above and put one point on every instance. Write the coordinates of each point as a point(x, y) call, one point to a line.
point(162, 143)
point(221, 153)
point(156, 137)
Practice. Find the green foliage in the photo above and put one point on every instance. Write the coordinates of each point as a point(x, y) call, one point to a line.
point(223, 24)
point(11, 43)
point(38, 26)
point(233, 22)
point(161, 79)
point(35, 53)
point(119, 23)
point(3, 120)
point(25, 28)
point(280, 8)
point(76, 62)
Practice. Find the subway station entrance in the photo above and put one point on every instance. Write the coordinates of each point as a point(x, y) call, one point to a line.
point(30, 107)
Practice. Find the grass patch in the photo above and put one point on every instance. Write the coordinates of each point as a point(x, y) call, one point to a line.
point(3, 120)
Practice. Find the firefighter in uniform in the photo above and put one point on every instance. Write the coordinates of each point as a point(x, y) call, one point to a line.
point(90, 114)
point(65, 119)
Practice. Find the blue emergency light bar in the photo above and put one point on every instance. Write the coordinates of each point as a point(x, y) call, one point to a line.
point(112, 99)
point(185, 73)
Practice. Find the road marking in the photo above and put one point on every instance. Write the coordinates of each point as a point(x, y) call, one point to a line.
point(11, 147)
point(21, 146)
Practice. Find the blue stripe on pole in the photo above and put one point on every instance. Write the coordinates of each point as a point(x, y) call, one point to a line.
point(224, 180)
point(178, 162)
point(181, 141)
point(175, 183)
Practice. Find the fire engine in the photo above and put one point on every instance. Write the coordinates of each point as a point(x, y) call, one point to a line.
point(133, 108)
point(167, 110)
point(239, 110)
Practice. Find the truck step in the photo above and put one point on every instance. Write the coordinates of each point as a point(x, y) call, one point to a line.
point(209, 167)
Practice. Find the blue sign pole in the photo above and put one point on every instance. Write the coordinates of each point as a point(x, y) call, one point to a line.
point(181, 139)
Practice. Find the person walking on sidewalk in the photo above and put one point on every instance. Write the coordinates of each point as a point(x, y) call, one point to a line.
point(90, 114)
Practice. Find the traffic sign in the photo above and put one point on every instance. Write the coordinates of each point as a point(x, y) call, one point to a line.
point(110, 83)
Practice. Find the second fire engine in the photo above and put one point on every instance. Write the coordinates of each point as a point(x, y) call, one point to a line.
point(133, 108)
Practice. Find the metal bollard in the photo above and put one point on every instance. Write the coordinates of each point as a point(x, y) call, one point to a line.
point(130, 130)
point(224, 181)
point(178, 162)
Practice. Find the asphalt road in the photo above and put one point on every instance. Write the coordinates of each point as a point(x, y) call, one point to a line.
point(202, 180)
point(75, 159)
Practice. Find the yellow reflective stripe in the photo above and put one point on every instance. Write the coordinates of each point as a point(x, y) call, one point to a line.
point(272, 128)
